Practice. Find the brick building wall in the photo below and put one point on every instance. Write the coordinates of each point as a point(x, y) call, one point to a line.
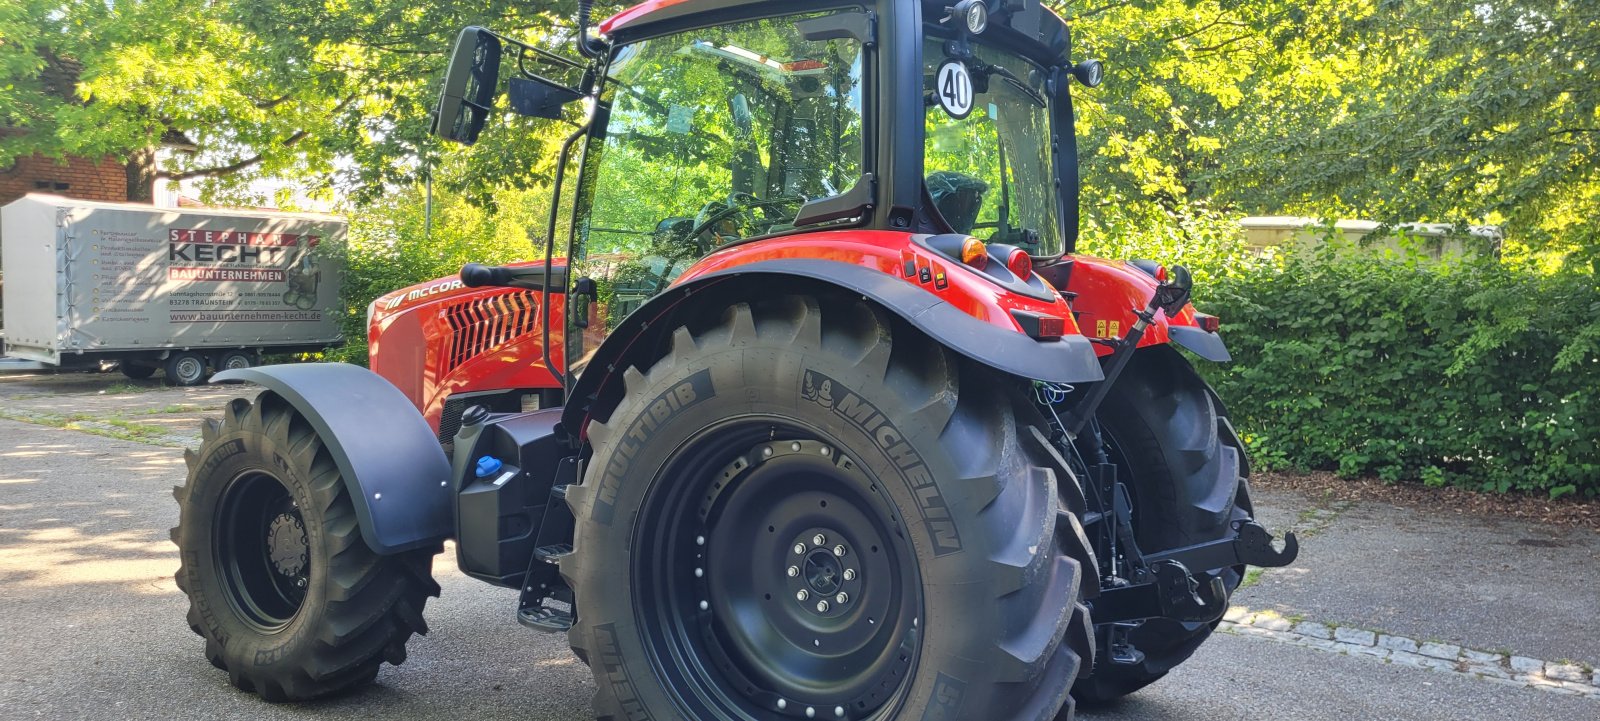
point(74, 177)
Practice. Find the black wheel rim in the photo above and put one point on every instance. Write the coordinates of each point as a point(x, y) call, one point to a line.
point(777, 580)
point(262, 550)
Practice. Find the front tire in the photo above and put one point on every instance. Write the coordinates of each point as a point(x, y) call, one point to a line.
point(1187, 484)
point(289, 599)
point(794, 515)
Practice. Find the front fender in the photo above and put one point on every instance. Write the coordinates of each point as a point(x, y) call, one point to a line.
point(1107, 293)
point(393, 467)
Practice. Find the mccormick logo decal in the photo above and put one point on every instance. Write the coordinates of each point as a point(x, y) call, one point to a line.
point(828, 393)
point(443, 286)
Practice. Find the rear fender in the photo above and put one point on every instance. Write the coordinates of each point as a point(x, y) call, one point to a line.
point(974, 325)
point(1108, 291)
point(393, 467)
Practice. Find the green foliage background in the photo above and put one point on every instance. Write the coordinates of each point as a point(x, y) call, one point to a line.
point(1478, 373)
point(1455, 111)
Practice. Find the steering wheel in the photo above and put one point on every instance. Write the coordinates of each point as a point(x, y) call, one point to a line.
point(710, 229)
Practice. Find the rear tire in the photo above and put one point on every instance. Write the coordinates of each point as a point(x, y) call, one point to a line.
point(938, 503)
point(289, 599)
point(1187, 485)
point(185, 369)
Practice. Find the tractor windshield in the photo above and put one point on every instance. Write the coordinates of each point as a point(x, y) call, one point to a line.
point(715, 135)
point(989, 171)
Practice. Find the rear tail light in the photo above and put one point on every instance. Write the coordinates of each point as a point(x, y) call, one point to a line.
point(974, 253)
point(1161, 274)
point(1040, 326)
point(1018, 262)
point(1207, 323)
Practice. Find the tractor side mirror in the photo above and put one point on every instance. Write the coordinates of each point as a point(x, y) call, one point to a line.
point(470, 85)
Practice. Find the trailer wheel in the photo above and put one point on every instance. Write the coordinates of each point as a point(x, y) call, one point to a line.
point(794, 515)
point(235, 360)
point(1187, 486)
point(136, 371)
point(186, 369)
point(289, 599)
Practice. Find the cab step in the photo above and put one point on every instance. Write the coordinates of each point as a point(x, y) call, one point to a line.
point(553, 553)
point(546, 618)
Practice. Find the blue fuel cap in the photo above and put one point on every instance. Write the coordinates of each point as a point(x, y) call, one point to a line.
point(488, 466)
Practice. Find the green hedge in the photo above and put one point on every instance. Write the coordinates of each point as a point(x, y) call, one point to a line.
point(1483, 374)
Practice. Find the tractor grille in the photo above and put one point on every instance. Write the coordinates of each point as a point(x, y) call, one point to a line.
point(481, 324)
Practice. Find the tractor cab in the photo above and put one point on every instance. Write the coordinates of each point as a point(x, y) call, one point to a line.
point(711, 124)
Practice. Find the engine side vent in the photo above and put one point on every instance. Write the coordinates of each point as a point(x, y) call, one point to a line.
point(481, 324)
point(450, 421)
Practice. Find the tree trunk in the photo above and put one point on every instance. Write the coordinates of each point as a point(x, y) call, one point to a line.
point(141, 172)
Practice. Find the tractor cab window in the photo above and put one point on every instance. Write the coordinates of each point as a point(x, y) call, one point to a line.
point(986, 159)
point(715, 135)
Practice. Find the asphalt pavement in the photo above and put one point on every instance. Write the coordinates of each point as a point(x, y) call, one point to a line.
point(91, 624)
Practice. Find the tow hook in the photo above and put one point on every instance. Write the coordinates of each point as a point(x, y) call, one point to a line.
point(1171, 591)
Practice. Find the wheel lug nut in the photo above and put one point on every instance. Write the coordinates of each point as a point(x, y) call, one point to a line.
point(801, 595)
point(842, 597)
point(838, 711)
point(811, 712)
point(794, 571)
point(822, 607)
point(782, 704)
point(794, 446)
point(826, 450)
point(849, 574)
point(766, 452)
point(699, 572)
point(819, 540)
point(840, 550)
point(300, 582)
point(799, 548)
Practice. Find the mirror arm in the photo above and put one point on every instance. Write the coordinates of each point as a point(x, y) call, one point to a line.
point(540, 54)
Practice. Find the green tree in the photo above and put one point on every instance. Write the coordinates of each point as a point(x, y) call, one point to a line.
point(1464, 111)
point(264, 88)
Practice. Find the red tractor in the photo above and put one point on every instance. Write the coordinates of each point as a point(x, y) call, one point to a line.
point(807, 411)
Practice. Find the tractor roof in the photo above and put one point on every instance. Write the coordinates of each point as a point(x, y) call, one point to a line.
point(1028, 19)
point(638, 12)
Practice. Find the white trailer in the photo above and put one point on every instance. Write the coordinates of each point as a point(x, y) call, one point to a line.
point(188, 291)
